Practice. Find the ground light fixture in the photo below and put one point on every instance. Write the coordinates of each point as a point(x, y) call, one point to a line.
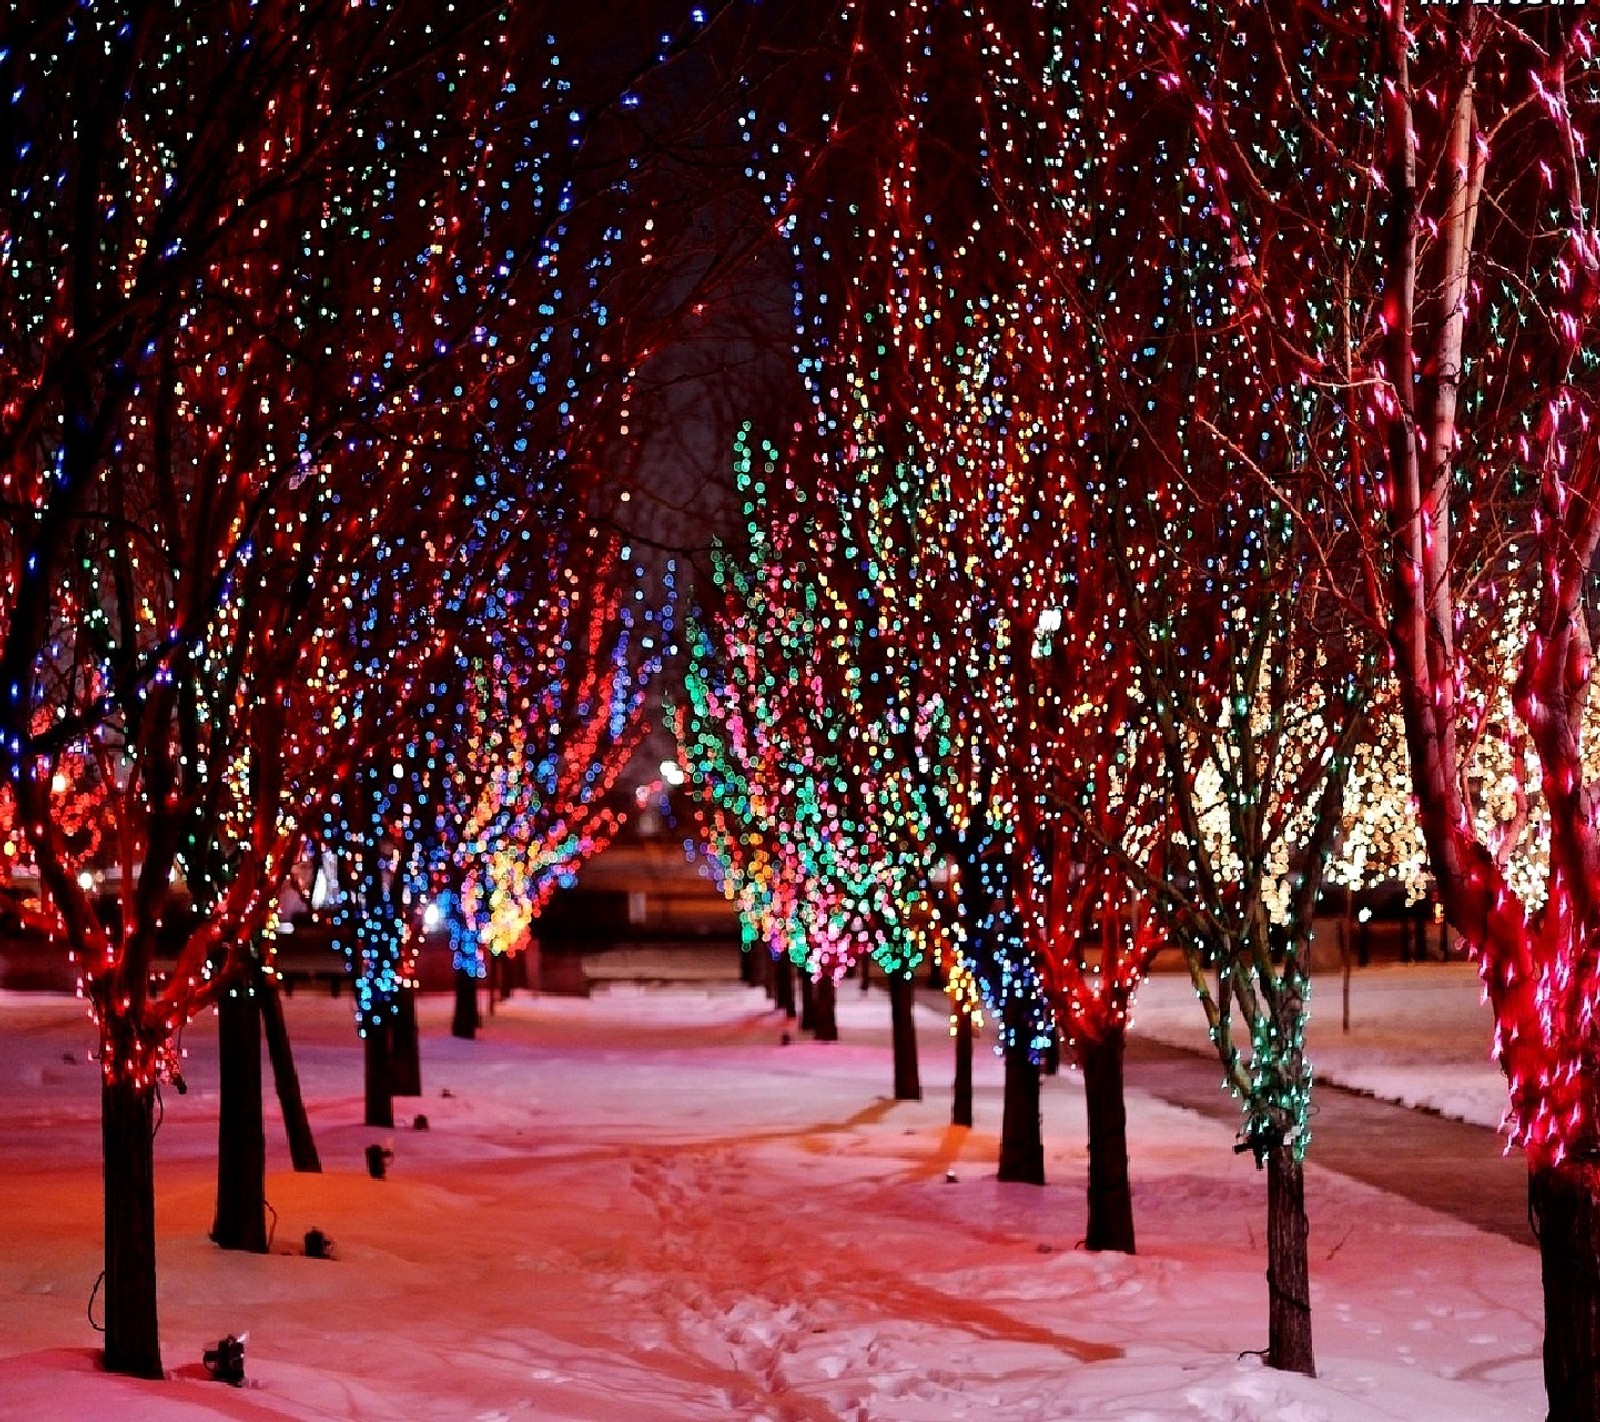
point(225, 1362)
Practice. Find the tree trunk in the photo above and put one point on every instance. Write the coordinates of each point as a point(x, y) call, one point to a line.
point(1346, 958)
point(864, 965)
point(241, 1216)
point(1288, 1272)
point(824, 1002)
point(1021, 1134)
point(1566, 1218)
point(1110, 1198)
point(296, 1125)
point(783, 984)
point(808, 1001)
point(133, 1342)
point(405, 1057)
point(380, 1100)
point(961, 1091)
point(464, 1022)
point(902, 999)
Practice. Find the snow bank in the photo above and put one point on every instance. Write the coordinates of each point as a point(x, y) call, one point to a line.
point(644, 1206)
point(1419, 1035)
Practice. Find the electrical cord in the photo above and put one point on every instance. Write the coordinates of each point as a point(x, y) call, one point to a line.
point(93, 1294)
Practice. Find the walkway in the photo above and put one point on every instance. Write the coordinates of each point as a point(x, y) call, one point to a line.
point(1448, 1166)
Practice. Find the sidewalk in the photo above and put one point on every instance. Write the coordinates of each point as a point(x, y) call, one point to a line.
point(1457, 1169)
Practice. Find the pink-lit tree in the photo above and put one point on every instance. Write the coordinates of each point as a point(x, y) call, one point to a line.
point(1482, 493)
point(1413, 211)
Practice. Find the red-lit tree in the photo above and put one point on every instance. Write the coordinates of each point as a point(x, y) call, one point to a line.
point(156, 481)
point(1091, 923)
point(1412, 201)
point(1482, 493)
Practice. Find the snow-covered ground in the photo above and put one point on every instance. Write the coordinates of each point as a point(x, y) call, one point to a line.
point(646, 1206)
point(1419, 1034)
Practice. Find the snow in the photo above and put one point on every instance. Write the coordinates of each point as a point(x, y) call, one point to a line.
point(1419, 1035)
point(645, 1206)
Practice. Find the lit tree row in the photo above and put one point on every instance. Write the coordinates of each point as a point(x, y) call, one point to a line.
point(284, 287)
point(1040, 419)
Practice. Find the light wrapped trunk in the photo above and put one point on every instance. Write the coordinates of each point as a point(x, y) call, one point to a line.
point(824, 1001)
point(1565, 1213)
point(302, 1146)
point(1288, 1271)
point(783, 984)
point(465, 1020)
point(405, 1064)
point(961, 1088)
point(379, 1098)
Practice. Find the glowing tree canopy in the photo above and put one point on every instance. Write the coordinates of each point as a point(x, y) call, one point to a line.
point(802, 808)
point(280, 283)
point(565, 701)
point(525, 704)
point(1411, 202)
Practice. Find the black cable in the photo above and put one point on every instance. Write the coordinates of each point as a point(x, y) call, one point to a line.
point(273, 1228)
point(93, 1293)
point(161, 1112)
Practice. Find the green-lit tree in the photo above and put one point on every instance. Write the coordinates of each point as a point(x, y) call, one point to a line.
point(790, 788)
